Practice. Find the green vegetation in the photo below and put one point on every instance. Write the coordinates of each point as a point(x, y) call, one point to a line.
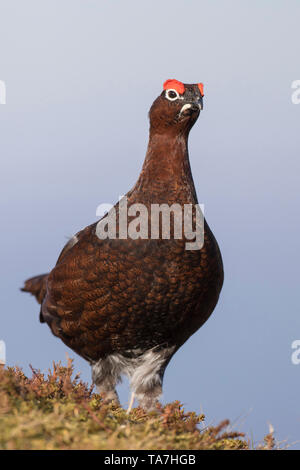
point(61, 412)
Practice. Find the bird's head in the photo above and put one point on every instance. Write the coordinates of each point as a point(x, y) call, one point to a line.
point(177, 108)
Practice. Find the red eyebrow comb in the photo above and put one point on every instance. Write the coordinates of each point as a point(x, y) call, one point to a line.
point(200, 86)
point(175, 85)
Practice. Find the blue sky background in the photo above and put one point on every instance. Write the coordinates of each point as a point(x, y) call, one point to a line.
point(80, 78)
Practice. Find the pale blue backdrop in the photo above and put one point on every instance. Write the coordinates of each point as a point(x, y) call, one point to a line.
point(80, 77)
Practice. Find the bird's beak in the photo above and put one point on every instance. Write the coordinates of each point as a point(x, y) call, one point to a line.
point(190, 108)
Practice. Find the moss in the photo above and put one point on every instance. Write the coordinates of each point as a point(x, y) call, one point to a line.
point(61, 412)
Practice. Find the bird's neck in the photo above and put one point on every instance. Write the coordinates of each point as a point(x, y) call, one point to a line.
point(166, 167)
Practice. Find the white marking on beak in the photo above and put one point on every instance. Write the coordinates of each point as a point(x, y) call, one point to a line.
point(184, 107)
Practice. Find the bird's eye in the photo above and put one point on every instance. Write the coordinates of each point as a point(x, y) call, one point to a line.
point(172, 95)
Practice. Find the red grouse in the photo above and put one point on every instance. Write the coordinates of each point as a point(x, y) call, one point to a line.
point(127, 303)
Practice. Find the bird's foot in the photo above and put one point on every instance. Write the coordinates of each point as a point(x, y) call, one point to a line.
point(149, 401)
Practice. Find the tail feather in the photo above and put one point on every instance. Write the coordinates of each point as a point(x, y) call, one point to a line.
point(36, 286)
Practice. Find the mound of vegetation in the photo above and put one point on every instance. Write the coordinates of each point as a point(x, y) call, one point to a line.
point(61, 412)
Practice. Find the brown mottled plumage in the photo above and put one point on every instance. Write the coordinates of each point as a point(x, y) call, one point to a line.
point(127, 305)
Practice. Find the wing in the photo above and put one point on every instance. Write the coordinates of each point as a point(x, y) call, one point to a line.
point(93, 302)
point(72, 241)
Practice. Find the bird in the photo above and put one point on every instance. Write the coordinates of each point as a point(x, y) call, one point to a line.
point(126, 304)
